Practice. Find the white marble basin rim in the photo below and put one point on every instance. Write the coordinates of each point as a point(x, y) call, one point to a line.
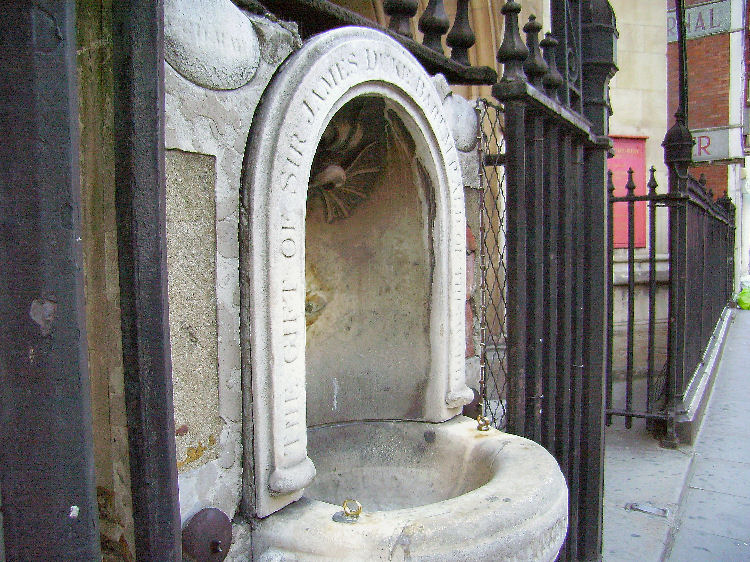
point(429, 492)
point(388, 465)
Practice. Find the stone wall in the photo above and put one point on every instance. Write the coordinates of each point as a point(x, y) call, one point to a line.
point(219, 61)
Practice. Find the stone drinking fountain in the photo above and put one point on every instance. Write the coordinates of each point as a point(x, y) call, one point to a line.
point(353, 275)
point(316, 237)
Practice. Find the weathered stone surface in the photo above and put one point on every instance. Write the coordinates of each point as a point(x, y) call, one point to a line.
point(330, 70)
point(367, 345)
point(210, 42)
point(461, 116)
point(191, 265)
point(216, 123)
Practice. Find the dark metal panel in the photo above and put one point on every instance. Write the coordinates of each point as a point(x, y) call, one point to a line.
point(517, 312)
point(596, 218)
point(46, 453)
point(535, 241)
point(552, 196)
point(565, 299)
point(141, 221)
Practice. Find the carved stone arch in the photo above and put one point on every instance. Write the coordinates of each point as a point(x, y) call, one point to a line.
point(329, 71)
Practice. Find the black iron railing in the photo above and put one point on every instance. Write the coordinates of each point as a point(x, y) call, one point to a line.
point(315, 16)
point(548, 317)
point(699, 287)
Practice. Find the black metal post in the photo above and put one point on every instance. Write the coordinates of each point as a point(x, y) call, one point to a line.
point(141, 223)
point(599, 38)
point(517, 313)
point(678, 143)
point(610, 292)
point(49, 509)
point(552, 197)
point(567, 249)
point(651, 359)
point(577, 517)
point(535, 240)
point(682, 107)
point(630, 191)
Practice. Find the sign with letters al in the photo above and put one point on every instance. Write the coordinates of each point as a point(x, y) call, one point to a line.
point(701, 20)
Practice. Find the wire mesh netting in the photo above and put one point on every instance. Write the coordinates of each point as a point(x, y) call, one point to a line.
point(492, 264)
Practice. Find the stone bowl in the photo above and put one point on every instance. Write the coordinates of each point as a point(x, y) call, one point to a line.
point(429, 491)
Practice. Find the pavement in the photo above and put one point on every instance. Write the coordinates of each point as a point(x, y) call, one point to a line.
point(689, 504)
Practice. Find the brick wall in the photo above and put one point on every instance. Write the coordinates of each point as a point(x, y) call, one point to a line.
point(708, 80)
point(716, 177)
point(708, 92)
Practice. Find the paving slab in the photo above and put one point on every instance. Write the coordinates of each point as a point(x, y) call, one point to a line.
point(699, 546)
point(637, 470)
point(631, 535)
point(713, 522)
point(706, 487)
point(716, 513)
point(720, 475)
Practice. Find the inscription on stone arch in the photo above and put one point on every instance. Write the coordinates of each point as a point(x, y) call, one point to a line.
point(329, 71)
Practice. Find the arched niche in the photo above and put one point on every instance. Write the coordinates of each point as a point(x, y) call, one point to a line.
point(330, 71)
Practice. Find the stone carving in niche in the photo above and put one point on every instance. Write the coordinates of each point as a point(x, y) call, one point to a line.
point(349, 158)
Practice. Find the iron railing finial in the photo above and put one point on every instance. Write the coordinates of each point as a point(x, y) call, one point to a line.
point(461, 37)
point(553, 79)
point(434, 24)
point(513, 51)
point(535, 66)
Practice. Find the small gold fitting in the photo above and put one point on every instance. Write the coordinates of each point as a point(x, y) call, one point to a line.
point(352, 508)
point(483, 424)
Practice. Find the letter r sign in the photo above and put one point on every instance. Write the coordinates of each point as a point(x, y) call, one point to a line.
point(703, 143)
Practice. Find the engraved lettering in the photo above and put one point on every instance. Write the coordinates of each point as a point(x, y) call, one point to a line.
point(344, 71)
point(420, 87)
point(372, 59)
point(329, 82)
point(316, 94)
point(295, 142)
point(287, 224)
point(290, 443)
point(309, 108)
point(290, 348)
point(290, 181)
point(288, 247)
point(352, 60)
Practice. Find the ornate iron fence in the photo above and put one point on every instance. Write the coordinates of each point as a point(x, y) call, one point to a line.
point(544, 248)
point(701, 268)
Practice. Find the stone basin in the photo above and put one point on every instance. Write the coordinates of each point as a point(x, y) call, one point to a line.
point(429, 491)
